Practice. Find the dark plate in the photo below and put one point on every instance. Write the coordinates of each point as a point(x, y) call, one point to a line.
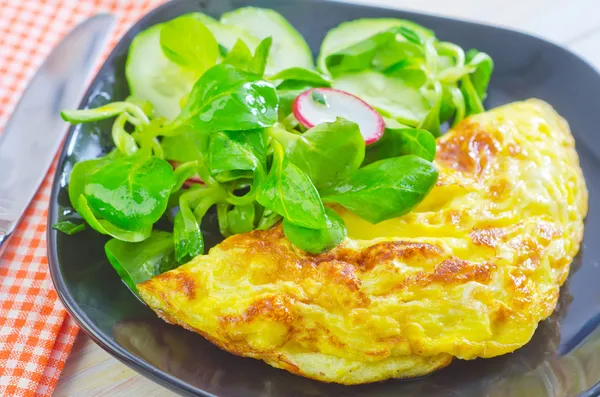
point(563, 359)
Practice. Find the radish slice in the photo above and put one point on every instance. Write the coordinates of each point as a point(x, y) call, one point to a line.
point(190, 181)
point(319, 105)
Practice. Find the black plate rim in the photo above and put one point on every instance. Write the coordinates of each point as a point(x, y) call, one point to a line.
point(79, 315)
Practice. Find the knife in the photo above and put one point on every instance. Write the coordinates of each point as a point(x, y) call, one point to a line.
point(35, 130)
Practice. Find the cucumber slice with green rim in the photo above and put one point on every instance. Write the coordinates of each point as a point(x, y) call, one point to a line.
point(393, 97)
point(289, 48)
point(152, 76)
point(348, 33)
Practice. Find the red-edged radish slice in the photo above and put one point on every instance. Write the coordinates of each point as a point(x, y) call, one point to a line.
point(319, 105)
point(190, 181)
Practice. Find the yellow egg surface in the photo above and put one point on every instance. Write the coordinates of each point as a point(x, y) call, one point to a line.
point(469, 273)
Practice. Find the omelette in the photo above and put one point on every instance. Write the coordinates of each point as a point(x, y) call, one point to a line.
point(469, 273)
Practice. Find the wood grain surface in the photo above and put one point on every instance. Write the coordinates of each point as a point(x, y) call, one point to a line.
point(90, 371)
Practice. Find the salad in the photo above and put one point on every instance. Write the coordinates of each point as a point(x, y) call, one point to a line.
point(233, 114)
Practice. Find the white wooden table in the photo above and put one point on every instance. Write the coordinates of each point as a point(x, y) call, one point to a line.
point(573, 23)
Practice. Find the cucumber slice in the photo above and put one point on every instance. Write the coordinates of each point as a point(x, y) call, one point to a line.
point(289, 48)
point(152, 76)
point(226, 35)
point(348, 33)
point(393, 97)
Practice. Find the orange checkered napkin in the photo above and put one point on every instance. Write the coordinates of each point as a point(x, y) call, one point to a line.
point(36, 334)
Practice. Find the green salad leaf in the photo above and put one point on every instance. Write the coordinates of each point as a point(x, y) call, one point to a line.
point(139, 262)
point(225, 35)
point(130, 191)
point(385, 189)
point(397, 142)
point(286, 101)
point(189, 43)
point(431, 122)
point(114, 196)
point(239, 156)
point(399, 56)
point(237, 150)
point(327, 153)
point(358, 56)
point(290, 192)
point(183, 172)
point(289, 47)
point(395, 46)
point(363, 33)
point(80, 173)
point(187, 146)
point(69, 227)
point(300, 77)
point(193, 205)
point(317, 241)
point(259, 61)
point(474, 86)
point(458, 103)
point(241, 57)
point(133, 234)
point(484, 65)
point(448, 106)
point(294, 81)
point(268, 219)
point(241, 218)
point(187, 235)
point(227, 99)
